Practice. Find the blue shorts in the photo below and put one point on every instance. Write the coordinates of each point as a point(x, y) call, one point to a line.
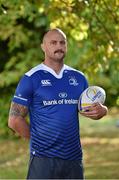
point(54, 168)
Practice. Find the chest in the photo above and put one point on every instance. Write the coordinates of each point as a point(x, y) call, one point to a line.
point(50, 88)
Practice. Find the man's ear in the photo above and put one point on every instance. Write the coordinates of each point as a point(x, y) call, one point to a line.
point(42, 47)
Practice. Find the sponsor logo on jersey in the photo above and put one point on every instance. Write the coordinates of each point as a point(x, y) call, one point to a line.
point(63, 95)
point(73, 81)
point(60, 102)
point(46, 82)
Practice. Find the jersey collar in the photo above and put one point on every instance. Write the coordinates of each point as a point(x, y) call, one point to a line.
point(50, 70)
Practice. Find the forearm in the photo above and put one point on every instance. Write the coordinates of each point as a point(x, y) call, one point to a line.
point(17, 120)
point(20, 126)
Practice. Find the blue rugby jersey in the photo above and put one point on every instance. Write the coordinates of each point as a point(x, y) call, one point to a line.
point(52, 101)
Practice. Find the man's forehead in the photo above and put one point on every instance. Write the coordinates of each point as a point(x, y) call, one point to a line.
point(52, 34)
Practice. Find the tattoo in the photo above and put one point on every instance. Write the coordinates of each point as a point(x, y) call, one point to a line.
point(18, 110)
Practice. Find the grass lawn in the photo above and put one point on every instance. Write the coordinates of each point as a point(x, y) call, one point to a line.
point(100, 142)
point(13, 159)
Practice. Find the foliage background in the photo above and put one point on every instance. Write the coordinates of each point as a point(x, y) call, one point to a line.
point(92, 28)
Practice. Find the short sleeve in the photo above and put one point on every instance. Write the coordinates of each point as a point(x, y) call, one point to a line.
point(24, 92)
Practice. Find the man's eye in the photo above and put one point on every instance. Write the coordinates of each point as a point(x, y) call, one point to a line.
point(54, 42)
point(62, 42)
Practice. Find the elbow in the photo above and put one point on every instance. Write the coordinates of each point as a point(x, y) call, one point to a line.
point(11, 124)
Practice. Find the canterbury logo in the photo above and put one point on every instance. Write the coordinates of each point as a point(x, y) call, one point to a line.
point(46, 82)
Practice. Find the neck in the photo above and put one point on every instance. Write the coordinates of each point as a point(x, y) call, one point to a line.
point(55, 65)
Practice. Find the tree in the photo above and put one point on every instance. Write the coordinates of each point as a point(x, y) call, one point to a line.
point(92, 28)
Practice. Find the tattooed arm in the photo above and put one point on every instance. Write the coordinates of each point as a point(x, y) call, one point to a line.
point(17, 120)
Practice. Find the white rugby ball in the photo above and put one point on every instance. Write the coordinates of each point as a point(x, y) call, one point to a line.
point(91, 95)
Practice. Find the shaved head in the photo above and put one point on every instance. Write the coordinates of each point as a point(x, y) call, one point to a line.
point(49, 32)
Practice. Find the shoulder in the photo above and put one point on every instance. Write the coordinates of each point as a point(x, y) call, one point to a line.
point(30, 76)
point(77, 75)
point(74, 71)
point(34, 70)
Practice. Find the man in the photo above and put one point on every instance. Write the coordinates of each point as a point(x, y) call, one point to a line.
point(49, 93)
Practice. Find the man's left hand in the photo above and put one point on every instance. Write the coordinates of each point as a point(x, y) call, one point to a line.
point(95, 111)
